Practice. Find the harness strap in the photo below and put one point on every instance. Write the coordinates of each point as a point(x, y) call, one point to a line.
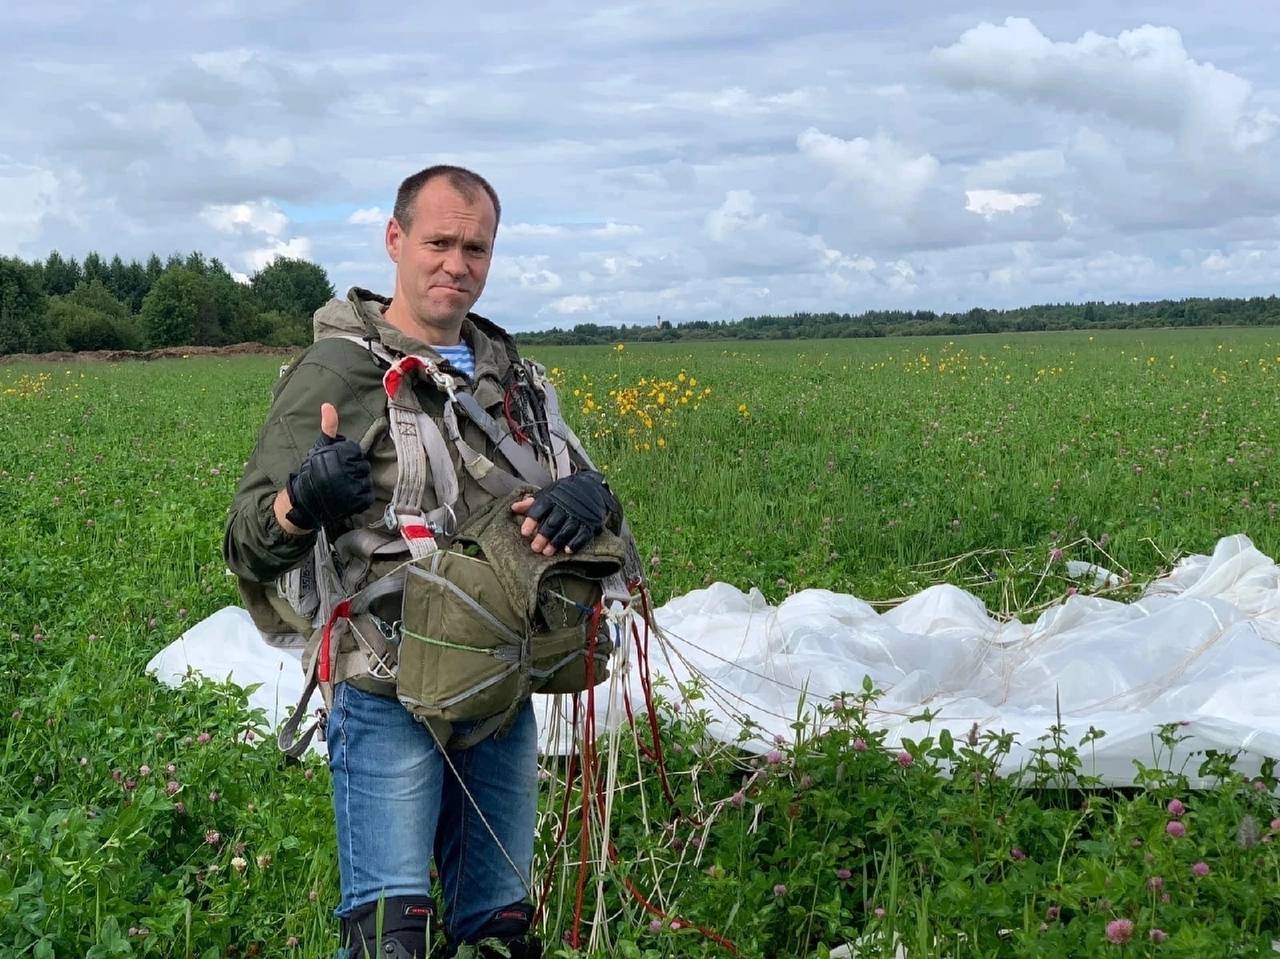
point(519, 456)
point(492, 479)
point(558, 427)
point(325, 669)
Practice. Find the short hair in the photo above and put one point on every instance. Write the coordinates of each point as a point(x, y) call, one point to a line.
point(465, 181)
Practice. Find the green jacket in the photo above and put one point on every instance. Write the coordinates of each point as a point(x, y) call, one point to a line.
point(349, 376)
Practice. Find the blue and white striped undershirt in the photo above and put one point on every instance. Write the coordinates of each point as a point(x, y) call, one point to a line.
point(460, 357)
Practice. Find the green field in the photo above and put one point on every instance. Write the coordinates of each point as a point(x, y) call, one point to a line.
point(852, 465)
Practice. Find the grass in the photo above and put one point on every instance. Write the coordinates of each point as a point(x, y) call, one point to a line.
point(849, 465)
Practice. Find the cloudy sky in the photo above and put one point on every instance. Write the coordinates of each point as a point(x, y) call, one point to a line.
point(698, 160)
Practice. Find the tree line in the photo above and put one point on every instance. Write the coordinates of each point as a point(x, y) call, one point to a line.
point(1198, 311)
point(61, 304)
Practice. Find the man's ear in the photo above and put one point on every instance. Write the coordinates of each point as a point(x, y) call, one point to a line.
point(394, 237)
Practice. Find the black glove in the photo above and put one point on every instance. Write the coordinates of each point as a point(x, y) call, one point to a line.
point(332, 483)
point(572, 511)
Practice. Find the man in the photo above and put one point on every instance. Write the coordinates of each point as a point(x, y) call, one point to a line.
point(400, 795)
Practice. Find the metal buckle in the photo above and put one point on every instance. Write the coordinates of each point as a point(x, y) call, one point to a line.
point(390, 631)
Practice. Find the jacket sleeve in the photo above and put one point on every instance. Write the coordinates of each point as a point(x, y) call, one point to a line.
point(254, 546)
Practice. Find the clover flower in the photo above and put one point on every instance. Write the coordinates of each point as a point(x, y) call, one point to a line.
point(1119, 931)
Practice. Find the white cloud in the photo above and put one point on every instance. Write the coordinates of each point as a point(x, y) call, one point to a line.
point(736, 214)
point(1247, 261)
point(887, 172)
point(530, 229)
point(619, 265)
point(839, 262)
point(737, 101)
point(570, 305)
point(298, 248)
point(257, 216)
point(255, 153)
point(1017, 168)
point(901, 276)
point(526, 272)
point(540, 281)
point(987, 203)
point(1142, 77)
point(367, 216)
point(612, 229)
point(28, 194)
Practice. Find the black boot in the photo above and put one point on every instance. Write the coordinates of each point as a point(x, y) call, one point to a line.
point(405, 925)
point(508, 926)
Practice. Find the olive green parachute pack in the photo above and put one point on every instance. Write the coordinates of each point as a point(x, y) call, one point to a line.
point(487, 622)
point(460, 622)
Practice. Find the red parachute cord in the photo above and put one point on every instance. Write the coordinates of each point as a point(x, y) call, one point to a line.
point(593, 792)
point(646, 683)
point(521, 436)
point(571, 776)
point(590, 768)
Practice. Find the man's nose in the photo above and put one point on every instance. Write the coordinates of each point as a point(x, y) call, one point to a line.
point(455, 264)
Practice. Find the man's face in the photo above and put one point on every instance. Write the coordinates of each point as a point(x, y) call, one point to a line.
point(442, 260)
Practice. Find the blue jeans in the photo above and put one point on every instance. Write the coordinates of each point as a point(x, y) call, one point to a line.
point(397, 802)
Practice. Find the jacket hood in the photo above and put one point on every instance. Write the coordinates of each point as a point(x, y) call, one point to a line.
point(360, 313)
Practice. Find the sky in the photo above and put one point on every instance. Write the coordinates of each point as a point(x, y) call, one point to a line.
point(674, 158)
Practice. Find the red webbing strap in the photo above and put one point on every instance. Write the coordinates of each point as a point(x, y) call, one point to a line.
point(416, 531)
point(324, 666)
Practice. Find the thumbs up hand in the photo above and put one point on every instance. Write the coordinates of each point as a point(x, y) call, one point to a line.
point(334, 480)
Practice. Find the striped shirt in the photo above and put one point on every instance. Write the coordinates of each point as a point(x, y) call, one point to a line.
point(461, 357)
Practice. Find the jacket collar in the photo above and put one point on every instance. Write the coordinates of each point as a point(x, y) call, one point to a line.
point(493, 347)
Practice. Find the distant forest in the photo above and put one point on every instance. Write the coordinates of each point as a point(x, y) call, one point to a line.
point(1199, 311)
point(61, 304)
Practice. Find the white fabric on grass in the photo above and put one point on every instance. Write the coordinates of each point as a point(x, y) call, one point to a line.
point(1202, 648)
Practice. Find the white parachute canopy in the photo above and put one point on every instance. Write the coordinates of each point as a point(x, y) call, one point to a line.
point(1201, 648)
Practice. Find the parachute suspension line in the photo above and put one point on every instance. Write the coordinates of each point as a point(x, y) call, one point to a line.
point(524, 880)
point(596, 848)
point(646, 684)
point(521, 436)
point(609, 849)
point(590, 775)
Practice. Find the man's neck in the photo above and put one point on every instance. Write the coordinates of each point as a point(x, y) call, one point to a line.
point(398, 315)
